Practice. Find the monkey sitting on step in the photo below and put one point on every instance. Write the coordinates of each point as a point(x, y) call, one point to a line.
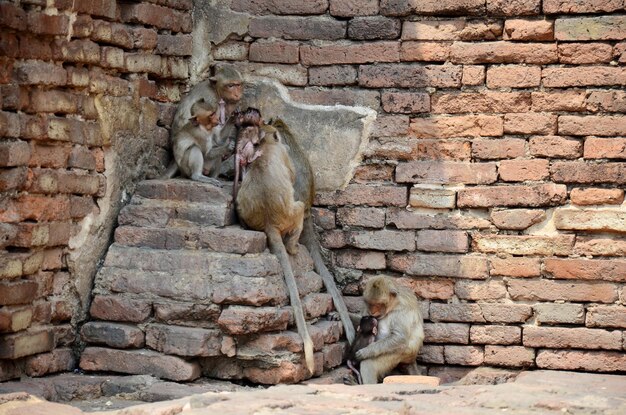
point(365, 335)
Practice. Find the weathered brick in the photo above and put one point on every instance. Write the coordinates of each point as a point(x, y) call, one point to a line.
point(537, 30)
point(606, 316)
point(13, 319)
point(495, 335)
point(104, 8)
point(581, 53)
point(581, 360)
point(297, 28)
point(446, 7)
point(434, 198)
point(513, 8)
point(515, 267)
point(555, 147)
point(559, 313)
point(351, 8)
point(183, 341)
point(446, 172)
point(390, 125)
point(453, 29)
point(473, 267)
point(245, 320)
point(524, 170)
point(605, 148)
point(366, 217)
point(373, 172)
point(351, 97)
point(58, 360)
point(506, 313)
point(274, 51)
point(446, 333)
point(583, 76)
point(409, 76)
point(457, 126)
point(231, 51)
point(46, 24)
point(330, 54)
point(405, 219)
point(120, 336)
point(592, 196)
point(524, 244)
point(565, 338)
point(513, 196)
point(431, 354)
point(473, 75)
point(384, 240)
point(160, 17)
point(425, 51)
point(442, 241)
point(513, 76)
point(286, 74)
point(375, 27)
point(517, 219)
point(431, 288)
point(585, 269)
point(14, 153)
point(332, 75)
point(405, 102)
point(360, 259)
point(479, 290)
point(503, 52)
point(591, 220)
point(487, 102)
point(280, 6)
point(559, 101)
point(586, 173)
point(530, 123)
point(599, 246)
point(588, 6)
point(12, 16)
point(36, 207)
point(486, 149)
point(590, 28)
point(119, 308)
point(139, 361)
point(606, 101)
point(547, 290)
point(509, 356)
point(16, 178)
point(39, 73)
point(364, 195)
point(26, 343)
point(464, 355)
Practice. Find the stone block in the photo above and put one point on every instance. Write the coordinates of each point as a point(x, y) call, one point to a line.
point(120, 336)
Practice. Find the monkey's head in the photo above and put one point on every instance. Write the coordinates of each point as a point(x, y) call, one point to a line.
point(380, 295)
point(251, 116)
point(368, 325)
point(204, 115)
point(228, 84)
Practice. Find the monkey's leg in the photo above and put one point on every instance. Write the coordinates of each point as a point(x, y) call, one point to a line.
point(278, 248)
point(171, 171)
point(291, 241)
point(372, 370)
point(309, 240)
point(196, 164)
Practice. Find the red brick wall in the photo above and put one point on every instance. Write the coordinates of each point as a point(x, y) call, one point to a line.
point(501, 125)
point(85, 95)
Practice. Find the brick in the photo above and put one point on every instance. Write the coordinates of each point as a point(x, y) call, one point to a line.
point(585, 173)
point(373, 172)
point(18, 292)
point(280, 7)
point(591, 196)
point(372, 28)
point(286, 74)
point(14, 153)
point(581, 53)
point(138, 62)
point(555, 147)
point(351, 97)
point(573, 6)
point(495, 334)
point(464, 355)
point(462, 313)
point(606, 316)
point(183, 341)
point(160, 17)
point(297, 28)
point(324, 218)
point(443, 150)
point(13, 319)
point(360, 260)
point(558, 101)
point(509, 356)
point(103, 8)
point(409, 76)
point(431, 354)
point(565, 338)
point(245, 320)
point(503, 52)
point(119, 308)
point(513, 8)
point(591, 220)
point(139, 362)
point(534, 30)
point(332, 75)
point(590, 28)
point(405, 219)
point(26, 343)
point(547, 290)
point(513, 196)
point(364, 195)
point(274, 51)
point(390, 125)
point(581, 360)
point(486, 149)
point(524, 244)
point(428, 7)
point(425, 51)
point(330, 54)
point(16, 178)
point(446, 333)
point(479, 290)
point(506, 313)
point(605, 148)
point(53, 101)
point(81, 206)
point(585, 269)
point(174, 45)
point(58, 360)
point(515, 267)
point(12, 16)
point(384, 240)
point(432, 198)
point(442, 241)
point(351, 8)
point(606, 101)
point(366, 217)
point(472, 267)
point(446, 172)
point(517, 219)
point(451, 29)
point(115, 34)
point(79, 51)
point(530, 123)
point(45, 24)
point(119, 336)
point(457, 126)
point(523, 170)
point(431, 289)
point(513, 76)
point(473, 75)
point(488, 102)
point(39, 73)
point(405, 102)
point(559, 313)
point(232, 51)
point(599, 246)
point(583, 76)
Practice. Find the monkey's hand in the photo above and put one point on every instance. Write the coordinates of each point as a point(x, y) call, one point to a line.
point(362, 354)
point(333, 316)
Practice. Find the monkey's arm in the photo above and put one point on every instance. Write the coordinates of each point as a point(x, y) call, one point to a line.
point(394, 343)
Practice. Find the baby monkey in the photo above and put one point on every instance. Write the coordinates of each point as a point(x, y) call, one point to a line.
point(249, 137)
point(365, 335)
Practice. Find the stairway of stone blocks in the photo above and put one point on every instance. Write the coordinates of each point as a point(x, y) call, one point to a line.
point(186, 292)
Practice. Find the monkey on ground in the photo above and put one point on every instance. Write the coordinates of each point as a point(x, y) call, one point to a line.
point(400, 329)
point(365, 335)
point(222, 93)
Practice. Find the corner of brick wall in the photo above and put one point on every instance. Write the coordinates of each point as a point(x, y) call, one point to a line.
point(87, 93)
point(501, 127)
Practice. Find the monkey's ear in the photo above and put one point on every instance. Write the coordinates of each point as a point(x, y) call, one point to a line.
point(393, 292)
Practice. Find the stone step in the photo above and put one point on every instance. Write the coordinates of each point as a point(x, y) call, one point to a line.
point(168, 213)
point(231, 240)
point(185, 190)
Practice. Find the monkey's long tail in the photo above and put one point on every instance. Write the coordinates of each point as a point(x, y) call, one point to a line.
point(171, 171)
point(309, 239)
point(278, 248)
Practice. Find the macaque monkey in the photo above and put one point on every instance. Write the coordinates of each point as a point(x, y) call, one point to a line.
point(248, 140)
point(365, 335)
point(400, 329)
point(276, 196)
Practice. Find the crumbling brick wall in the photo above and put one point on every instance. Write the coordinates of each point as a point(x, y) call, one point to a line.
point(87, 92)
point(501, 127)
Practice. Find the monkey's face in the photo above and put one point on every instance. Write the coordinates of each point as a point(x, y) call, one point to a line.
point(379, 307)
point(208, 119)
point(231, 91)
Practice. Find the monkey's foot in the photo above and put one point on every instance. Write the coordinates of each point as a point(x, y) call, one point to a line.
point(350, 380)
point(209, 180)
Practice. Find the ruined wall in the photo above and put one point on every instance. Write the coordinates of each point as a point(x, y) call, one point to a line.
point(86, 91)
point(493, 182)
